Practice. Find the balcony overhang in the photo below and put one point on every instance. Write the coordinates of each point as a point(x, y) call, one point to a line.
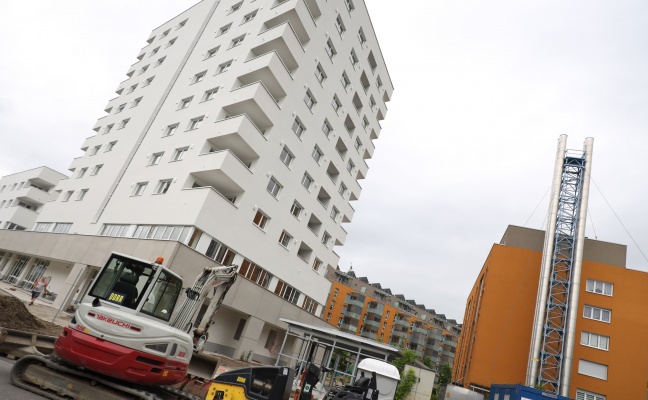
point(269, 69)
point(282, 39)
point(255, 101)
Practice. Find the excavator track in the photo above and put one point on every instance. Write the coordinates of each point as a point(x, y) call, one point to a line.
point(54, 379)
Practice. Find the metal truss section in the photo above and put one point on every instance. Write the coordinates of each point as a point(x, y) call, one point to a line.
point(555, 322)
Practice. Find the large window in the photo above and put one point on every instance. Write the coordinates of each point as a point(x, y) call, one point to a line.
point(595, 370)
point(599, 287)
point(594, 340)
point(287, 292)
point(598, 314)
point(256, 274)
point(220, 253)
point(583, 395)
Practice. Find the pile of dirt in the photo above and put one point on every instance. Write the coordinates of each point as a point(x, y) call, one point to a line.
point(14, 315)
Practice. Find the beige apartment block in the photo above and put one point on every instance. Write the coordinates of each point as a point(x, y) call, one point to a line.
point(241, 132)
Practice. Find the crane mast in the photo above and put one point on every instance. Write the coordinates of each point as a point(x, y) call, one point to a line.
point(550, 358)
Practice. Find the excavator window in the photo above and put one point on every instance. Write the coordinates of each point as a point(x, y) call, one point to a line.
point(161, 301)
point(123, 281)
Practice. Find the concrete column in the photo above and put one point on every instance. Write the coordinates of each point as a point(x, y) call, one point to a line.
point(70, 286)
point(249, 338)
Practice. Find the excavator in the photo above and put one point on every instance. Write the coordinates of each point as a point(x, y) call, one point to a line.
point(129, 339)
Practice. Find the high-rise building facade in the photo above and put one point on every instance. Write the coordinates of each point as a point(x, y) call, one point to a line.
point(367, 309)
point(242, 131)
point(610, 360)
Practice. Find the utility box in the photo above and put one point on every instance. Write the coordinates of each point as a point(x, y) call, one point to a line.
point(422, 389)
point(452, 392)
point(521, 392)
point(387, 376)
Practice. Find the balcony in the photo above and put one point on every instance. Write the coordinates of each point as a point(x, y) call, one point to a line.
point(282, 39)
point(349, 328)
point(298, 14)
point(373, 323)
point(270, 69)
point(255, 101)
point(224, 172)
point(369, 334)
point(356, 302)
point(351, 315)
point(34, 196)
point(398, 334)
point(239, 135)
point(448, 354)
point(417, 340)
point(401, 322)
point(419, 329)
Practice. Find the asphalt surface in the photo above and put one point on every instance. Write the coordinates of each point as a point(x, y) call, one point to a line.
point(9, 391)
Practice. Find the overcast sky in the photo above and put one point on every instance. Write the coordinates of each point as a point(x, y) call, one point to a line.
point(482, 91)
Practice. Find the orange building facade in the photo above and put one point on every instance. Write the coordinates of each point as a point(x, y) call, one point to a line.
point(611, 349)
point(366, 309)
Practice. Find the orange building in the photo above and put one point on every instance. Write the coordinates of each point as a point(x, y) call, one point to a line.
point(611, 351)
point(366, 309)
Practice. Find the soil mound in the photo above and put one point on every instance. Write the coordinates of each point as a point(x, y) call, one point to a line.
point(14, 315)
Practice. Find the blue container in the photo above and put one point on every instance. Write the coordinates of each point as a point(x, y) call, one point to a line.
point(519, 392)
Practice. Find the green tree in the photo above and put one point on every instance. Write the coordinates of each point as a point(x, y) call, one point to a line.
point(428, 362)
point(408, 357)
point(445, 374)
point(405, 385)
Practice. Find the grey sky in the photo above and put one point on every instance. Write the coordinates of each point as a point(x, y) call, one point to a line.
point(483, 89)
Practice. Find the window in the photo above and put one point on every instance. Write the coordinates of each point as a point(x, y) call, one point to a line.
point(583, 395)
point(372, 62)
point(343, 189)
point(326, 238)
point(310, 306)
point(357, 144)
point(361, 36)
point(95, 150)
point(136, 102)
point(199, 77)
point(249, 17)
point(82, 194)
point(330, 49)
point(306, 181)
point(155, 158)
point(365, 122)
point(260, 220)
point(209, 95)
point(239, 329)
point(336, 103)
point(317, 264)
point(164, 34)
point(132, 89)
point(237, 40)
point(286, 156)
point(287, 292)
point(599, 287)
point(163, 186)
point(346, 82)
point(327, 128)
point(339, 25)
point(334, 213)
point(353, 57)
point(593, 369)
point(96, 169)
point(159, 61)
point(296, 209)
point(148, 81)
point(144, 68)
point(340, 322)
point(594, 340)
point(120, 108)
point(273, 187)
point(61, 227)
point(179, 154)
point(181, 24)
point(82, 172)
point(170, 130)
point(309, 100)
point(224, 29)
point(298, 127)
point(195, 123)
point(154, 51)
point(184, 103)
point(379, 82)
point(110, 146)
point(349, 5)
point(224, 67)
point(169, 44)
point(108, 128)
point(317, 154)
point(139, 188)
point(256, 274)
point(67, 195)
point(123, 124)
point(598, 314)
point(236, 7)
point(372, 102)
point(212, 52)
point(319, 73)
point(284, 239)
point(350, 166)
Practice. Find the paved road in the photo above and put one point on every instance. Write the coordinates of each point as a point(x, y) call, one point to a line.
point(9, 391)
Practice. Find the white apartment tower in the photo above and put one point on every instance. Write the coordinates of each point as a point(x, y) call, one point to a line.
point(242, 131)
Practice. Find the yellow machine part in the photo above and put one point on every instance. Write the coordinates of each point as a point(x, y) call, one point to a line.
point(225, 391)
